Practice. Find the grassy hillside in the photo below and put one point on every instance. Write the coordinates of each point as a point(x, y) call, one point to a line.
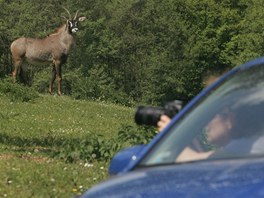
point(31, 132)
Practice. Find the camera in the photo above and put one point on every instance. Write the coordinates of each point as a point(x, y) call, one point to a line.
point(149, 115)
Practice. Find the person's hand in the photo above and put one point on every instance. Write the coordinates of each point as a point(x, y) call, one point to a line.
point(163, 122)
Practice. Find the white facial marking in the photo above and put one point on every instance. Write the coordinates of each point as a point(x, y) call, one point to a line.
point(74, 30)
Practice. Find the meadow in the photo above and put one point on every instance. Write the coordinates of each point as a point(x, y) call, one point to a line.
point(46, 144)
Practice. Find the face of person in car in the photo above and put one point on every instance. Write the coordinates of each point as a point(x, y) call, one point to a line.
point(219, 129)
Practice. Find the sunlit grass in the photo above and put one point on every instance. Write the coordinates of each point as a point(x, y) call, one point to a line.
point(63, 116)
point(30, 132)
point(42, 177)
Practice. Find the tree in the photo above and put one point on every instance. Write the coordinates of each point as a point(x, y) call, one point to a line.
point(141, 51)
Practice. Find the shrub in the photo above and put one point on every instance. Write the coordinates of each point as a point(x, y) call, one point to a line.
point(90, 148)
point(41, 80)
point(134, 135)
point(95, 147)
point(97, 85)
point(16, 91)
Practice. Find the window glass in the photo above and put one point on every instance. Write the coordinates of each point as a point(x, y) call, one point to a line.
point(228, 122)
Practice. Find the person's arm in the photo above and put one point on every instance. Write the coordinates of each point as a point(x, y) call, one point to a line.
point(189, 154)
point(163, 122)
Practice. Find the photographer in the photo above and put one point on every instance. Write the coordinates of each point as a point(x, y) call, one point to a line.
point(157, 116)
point(165, 119)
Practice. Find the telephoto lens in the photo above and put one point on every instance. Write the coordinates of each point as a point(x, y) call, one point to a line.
point(149, 115)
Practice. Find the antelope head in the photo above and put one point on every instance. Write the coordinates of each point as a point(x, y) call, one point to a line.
point(72, 23)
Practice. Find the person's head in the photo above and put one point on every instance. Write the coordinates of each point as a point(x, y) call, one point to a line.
point(237, 123)
point(218, 130)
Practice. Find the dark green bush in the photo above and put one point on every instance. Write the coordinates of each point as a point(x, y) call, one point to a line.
point(96, 147)
point(89, 148)
point(134, 135)
point(41, 80)
point(96, 86)
point(16, 91)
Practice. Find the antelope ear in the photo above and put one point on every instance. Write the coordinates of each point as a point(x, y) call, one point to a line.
point(81, 18)
point(67, 24)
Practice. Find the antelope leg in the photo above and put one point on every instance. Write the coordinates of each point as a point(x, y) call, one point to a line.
point(53, 77)
point(58, 72)
point(17, 67)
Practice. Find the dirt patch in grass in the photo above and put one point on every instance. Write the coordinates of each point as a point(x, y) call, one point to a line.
point(5, 156)
point(37, 159)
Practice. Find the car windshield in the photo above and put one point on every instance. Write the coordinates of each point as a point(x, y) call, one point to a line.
point(227, 123)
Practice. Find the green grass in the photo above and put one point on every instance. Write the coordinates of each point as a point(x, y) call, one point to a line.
point(30, 132)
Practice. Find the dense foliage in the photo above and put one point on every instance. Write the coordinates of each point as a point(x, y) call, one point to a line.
point(131, 51)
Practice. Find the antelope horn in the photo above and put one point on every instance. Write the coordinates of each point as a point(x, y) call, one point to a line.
point(76, 15)
point(67, 12)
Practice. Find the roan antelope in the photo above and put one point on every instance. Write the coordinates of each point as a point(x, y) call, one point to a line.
point(52, 49)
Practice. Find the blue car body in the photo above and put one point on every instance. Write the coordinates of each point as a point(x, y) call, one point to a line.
point(242, 177)
point(238, 178)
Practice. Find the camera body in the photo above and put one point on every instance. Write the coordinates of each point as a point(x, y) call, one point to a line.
point(149, 115)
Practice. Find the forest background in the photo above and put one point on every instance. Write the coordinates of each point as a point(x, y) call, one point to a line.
point(138, 51)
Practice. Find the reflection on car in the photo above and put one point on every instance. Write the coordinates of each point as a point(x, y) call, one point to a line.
point(213, 146)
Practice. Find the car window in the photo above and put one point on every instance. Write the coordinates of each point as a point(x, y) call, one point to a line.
point(228, 122)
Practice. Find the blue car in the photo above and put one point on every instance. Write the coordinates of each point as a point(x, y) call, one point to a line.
point(214, 147)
